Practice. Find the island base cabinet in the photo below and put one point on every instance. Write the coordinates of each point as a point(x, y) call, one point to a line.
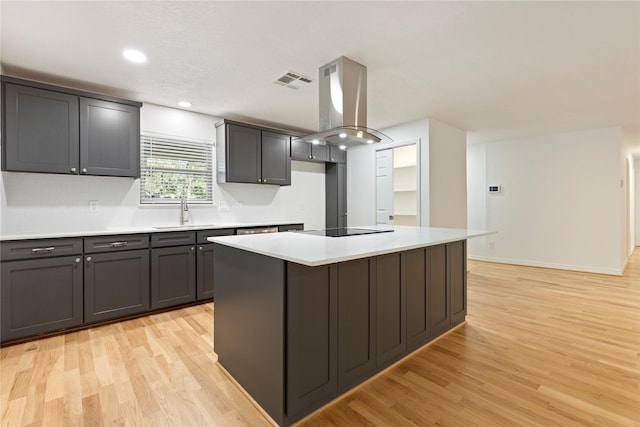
point(116, 284)
point(173, 276)
point(391, 308)
point(312, 356)
point(40, 296)
point(414, 274)
point(457, 276)
point(356, 321)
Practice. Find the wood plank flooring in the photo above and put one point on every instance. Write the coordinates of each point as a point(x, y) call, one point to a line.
point(541, 348)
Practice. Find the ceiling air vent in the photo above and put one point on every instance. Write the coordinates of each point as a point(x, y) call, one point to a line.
point(293, 80)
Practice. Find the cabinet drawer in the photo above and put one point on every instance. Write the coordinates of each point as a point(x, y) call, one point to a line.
point(29, 249)
point(176, 238)
point(204, 234)
point(116, 243)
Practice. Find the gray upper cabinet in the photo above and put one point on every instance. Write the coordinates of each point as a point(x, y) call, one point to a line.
point(253, 155)
point(336, 195)
point(336, 155)
point(59, 130)
point(307, 151)
point(109, 138)
point(40, 130)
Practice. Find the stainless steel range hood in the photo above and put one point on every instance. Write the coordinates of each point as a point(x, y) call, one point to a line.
point(343, 106)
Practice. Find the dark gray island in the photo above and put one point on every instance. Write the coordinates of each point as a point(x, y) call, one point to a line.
point(301, 319)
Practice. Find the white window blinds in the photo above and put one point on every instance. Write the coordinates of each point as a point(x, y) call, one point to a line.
point(173, 166)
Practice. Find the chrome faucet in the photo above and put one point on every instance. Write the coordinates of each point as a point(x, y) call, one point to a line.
point(184, 207)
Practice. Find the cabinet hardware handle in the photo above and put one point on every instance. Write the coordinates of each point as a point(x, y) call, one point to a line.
point(310, 157)
point(73, 170)
point(38, 250)
point(264, 180)
point(84, 170)
point(77, 260)
point(259, 180)
point(193, 248)
point(118, 244)
point(200, 248)
point(89, 259)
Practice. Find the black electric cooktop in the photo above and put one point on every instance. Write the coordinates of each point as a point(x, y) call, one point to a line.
point(343, 231)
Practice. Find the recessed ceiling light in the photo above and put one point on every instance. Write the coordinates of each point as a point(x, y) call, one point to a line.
point(135, 56)
point(185, 104)
point(369, 141)
point(343, 147)
point(315, 141)
point(343, 135)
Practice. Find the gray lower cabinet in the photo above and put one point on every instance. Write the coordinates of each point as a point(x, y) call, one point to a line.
point(40, 295)
point(457, 280)
point(173, 276)
point(116, 284)
point(312, 330)
point(205, 262)
point(414, 274)
point(356, 321)
point(391, 340)
point(53, 129)
point(340, 324)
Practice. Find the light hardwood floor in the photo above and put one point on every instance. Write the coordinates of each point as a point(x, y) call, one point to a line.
point(541, 347)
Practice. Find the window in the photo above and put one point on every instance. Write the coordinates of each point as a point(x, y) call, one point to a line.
point(173, 166)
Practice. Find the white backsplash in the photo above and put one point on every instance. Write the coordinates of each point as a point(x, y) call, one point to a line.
point(48, 203)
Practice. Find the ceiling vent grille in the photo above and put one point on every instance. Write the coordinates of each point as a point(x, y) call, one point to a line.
point(293, 80)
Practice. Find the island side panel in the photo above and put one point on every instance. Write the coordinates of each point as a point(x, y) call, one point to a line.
point(249, 323)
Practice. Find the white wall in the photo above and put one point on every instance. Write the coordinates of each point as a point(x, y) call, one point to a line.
point(561, 203)
point(47, 203)
point(447, 176)
point(477, 195)
point(442, 153)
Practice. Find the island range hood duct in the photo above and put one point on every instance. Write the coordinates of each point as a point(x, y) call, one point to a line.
point(343, 106)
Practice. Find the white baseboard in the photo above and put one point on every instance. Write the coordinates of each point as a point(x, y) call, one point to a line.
point(585, 269)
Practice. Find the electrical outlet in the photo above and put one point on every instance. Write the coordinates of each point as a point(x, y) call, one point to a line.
point(93, 206)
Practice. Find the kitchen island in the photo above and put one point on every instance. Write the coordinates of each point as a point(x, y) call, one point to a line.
point(299, 319)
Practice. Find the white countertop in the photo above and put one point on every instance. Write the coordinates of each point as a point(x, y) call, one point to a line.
point(312, 250)
point(142, 229)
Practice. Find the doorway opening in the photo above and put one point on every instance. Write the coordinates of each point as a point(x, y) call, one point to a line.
point(398, 185)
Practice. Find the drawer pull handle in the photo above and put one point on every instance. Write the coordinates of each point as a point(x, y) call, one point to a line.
point(89, 259)
point(118, 244)
point(39, 250)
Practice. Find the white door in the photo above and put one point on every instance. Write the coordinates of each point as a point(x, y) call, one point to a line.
point(384, 186)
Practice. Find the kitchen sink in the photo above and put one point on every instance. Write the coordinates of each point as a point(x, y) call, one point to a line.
point(167, 227)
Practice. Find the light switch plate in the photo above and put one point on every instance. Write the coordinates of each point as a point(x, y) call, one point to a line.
point(93, 206)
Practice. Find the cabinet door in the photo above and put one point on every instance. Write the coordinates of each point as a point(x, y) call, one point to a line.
point(312, 342)
point(336, 195)
point(116, 284)
point(457, 278)
point(320, 153)
point(244, 154)
point(40, 296)
point(109, 138)
point(276, 158)
point(204, 287)
point(439, 295)
point(337, 155)
point(300, 150)
point(173, 276)
point(40, 132)
point(414, 274)
point(356, 321)
point(390, 309)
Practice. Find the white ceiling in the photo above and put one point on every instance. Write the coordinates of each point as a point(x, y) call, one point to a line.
point(497, 69)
